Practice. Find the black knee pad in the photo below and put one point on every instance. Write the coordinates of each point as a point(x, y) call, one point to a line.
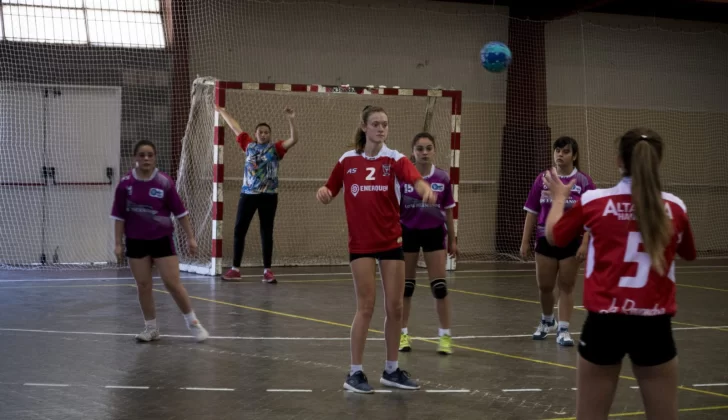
point(409, 287)
point(439, 288)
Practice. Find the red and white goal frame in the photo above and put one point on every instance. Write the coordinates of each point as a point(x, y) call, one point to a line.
point(221, 87)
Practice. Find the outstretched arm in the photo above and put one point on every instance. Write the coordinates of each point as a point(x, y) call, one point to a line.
point(293, 139)
point(229, 120)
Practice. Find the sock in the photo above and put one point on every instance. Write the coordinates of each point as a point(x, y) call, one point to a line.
point(404, 331)
point(548, 318)
point(563, 325)
point(444, 331)
point(190, 318)
point(390, 367)
point(235, 268)
point(355, 368)
point(152, 323)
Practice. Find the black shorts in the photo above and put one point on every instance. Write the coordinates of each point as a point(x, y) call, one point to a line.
point(392, 254)
point(155, 248)
point(544, 248)
point(606, 338)
point(429, 240)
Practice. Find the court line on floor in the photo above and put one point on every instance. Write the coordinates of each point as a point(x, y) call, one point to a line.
point(254, 338)
point(641, 413)
point(458, 346)
point(125, 387)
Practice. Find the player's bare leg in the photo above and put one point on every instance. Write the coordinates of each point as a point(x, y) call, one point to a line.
point(568, 270)
point(392, 272)
point(546, 272)
point(658, 385)
point(364, 271)
point(595, 389)
point(141, 269)
point(436, 262)
point(169, 271)
point(410, 273)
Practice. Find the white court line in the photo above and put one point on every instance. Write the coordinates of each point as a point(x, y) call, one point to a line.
point(125, 387)
point(634, 387)
point(51, 385)
point(289, 390)
point(444, 391)
point(523, 390)
point(463, 337)
point(704, 385)
point(95, 279)
point(208, 389)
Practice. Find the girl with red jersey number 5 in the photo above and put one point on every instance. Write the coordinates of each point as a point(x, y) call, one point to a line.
point(636, 230)
point(370, 176)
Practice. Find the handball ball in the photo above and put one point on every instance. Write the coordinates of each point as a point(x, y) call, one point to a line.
point(495, 56)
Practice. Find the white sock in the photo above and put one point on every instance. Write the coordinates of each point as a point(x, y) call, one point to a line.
point(444, 331)
point(355, 368)
point(548, 318)
point(390, 366)
point(152, 323)
point(404, 331)
point(236, 268)
point(563, 325)
point(266, 270)
point(190, 318)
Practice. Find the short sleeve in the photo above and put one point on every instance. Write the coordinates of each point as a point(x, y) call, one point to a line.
point(280, 150)
point(533, 202)
point(405, 170)
point(175, 202)
point(118, 208)
point(448, 199)
point(244, 140)
point(570, 226)
point(336, 179)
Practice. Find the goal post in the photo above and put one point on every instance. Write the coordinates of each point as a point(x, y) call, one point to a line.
point(306, 233)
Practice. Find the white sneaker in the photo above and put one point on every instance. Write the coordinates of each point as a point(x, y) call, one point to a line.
point(544, 328)
point(149, 334)
point(199, 331)
point(564, 338)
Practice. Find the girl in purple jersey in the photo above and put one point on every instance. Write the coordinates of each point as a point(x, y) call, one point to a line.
point(144, 202)
point(555, 264)
point(426, 227)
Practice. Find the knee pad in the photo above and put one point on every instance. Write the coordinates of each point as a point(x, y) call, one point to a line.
point(409, 287)
point(439, 288)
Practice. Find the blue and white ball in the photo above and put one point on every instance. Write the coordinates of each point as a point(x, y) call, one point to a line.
point(495, 56)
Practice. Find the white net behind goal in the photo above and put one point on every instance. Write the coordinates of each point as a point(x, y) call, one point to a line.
point(306, 232)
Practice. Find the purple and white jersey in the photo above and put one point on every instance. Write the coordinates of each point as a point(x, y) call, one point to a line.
point(539, 199)
point(145, 205)
point(415, 214)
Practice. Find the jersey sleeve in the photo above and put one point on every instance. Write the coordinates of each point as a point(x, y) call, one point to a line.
point(336, 179)
point(174, 202)
point(244, 140)
point(405, 170)
point(280, 150)
point(590, 185)
point(448, 200)
point(686, 242)
point(533, 202)
point(118, 208)
point(570, 226)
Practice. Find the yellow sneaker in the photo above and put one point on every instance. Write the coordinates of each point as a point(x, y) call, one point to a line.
point(405, 343)
point(445, 346)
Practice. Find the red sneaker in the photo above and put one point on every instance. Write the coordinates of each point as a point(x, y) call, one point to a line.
point(232, 274)
point(269, 277)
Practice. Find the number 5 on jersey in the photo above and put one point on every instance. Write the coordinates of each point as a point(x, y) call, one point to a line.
point(633, 255)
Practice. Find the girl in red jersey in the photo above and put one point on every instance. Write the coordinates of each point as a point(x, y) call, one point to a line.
point(370, 175)
point(629, 289)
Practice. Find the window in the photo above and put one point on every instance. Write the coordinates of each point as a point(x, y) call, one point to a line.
point(120, 23)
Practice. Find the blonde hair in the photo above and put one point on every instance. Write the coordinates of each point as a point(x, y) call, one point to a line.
point(641, 153)
point(360, 138)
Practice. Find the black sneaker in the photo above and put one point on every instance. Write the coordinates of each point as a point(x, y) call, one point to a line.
point(358, 383)
point(398, 379)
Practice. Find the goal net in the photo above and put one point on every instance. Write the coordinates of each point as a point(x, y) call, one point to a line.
point(306, 232)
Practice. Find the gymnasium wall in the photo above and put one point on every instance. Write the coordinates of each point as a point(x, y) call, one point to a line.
point(605, 74)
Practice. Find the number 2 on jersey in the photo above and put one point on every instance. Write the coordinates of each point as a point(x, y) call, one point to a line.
point(633, 255)
point(371, 171)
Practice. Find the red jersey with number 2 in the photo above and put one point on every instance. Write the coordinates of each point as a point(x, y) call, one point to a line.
point(619, 276)
point(371, 197)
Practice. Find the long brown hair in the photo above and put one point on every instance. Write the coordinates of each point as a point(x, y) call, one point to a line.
point(360, 138)
point(641, 153)
point(418, 136)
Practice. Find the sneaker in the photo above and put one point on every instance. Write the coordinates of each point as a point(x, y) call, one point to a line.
point(398, 379)
point(199, 331)
point(564, 338)
point(358, 383)
point(445, 346)
point(269, 277)
point(149, 334)
point(544, 328)
point(232, 274)
point(405, 343)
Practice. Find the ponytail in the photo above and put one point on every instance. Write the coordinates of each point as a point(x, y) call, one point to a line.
point(360, 138)
point(649, 208)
